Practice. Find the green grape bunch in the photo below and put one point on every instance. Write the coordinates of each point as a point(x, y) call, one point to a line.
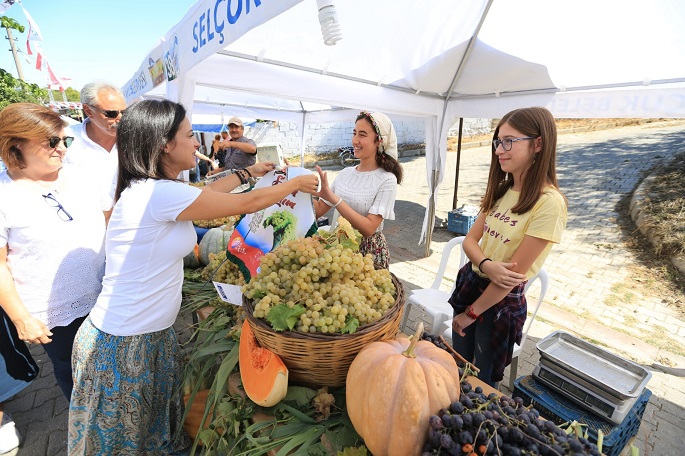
point(229, 222)
point(320, 287)
point(283, 223)
point(220, 270)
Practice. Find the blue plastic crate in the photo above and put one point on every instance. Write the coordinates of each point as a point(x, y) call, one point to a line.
point(553, 406)
point(458, 222)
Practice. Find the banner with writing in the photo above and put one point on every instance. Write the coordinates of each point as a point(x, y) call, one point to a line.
point(208, 27)
point(256, 234)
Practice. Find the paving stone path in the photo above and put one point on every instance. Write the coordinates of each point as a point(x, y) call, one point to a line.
point(591, 293)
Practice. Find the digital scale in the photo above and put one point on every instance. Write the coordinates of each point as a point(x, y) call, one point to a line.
point(595, 379)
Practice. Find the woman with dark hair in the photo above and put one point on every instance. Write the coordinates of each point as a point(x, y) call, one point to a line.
point(52, 229)
point(523, 213)
point(365, 194)
point(128, 395)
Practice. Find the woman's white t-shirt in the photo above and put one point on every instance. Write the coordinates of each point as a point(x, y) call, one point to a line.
point(145, 246)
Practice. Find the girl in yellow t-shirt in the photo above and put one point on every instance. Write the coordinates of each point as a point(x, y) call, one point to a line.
point(521, 215)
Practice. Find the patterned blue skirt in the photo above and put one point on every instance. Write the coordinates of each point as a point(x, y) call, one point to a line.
point(128, 396)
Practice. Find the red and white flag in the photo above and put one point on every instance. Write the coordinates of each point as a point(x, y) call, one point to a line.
point(33, 34)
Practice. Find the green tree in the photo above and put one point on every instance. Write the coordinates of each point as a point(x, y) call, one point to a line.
point(13, 90)
point(8, 22)
point(73, 94)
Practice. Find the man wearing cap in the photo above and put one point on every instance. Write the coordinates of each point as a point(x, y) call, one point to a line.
point(241, 152)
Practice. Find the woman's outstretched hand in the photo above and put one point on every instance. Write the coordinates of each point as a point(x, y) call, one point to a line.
point(502, 274)
point(308, 183)
point(325, 192)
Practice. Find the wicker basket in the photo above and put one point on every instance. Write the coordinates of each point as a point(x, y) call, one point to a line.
point(323, 359)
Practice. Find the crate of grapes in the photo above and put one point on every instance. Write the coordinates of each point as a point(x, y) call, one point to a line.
point(559, 409)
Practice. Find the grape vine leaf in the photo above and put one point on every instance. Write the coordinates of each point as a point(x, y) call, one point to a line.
point(283, 318)
point(351, 325)
point(299, 395)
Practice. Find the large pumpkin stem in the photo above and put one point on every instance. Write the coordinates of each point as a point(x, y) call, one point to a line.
point(409, 352)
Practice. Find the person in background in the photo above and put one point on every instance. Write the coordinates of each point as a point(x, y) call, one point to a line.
point(208, 163)
point(220, 151)
point(521, 215)
point(95, 138)
point(240, 152)
point(52, 229)
point(128, 376)
point(365, 194)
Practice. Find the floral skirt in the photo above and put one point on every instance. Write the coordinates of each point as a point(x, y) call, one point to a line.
point(377, 246)
point(128, 396)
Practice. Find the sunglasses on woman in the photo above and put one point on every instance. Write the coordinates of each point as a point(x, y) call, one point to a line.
point(54, 141)
point(109, 113)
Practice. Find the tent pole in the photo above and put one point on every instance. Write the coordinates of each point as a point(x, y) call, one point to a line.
point(431, 213)
point(456, 175)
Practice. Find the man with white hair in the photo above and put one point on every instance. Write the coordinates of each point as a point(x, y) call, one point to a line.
point(94, 146)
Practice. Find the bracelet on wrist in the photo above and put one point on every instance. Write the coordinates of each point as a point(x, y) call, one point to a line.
point(471, 314)
point(241, 176)
point(481, 264)
point(336, 204)
point(248, 172)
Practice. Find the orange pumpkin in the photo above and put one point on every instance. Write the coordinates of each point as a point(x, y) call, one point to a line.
point(194, 414)
point(393, 387)
point(263, 373)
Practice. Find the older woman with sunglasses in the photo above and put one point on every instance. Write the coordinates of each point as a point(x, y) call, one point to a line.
point(52, 228)
point(365, 194)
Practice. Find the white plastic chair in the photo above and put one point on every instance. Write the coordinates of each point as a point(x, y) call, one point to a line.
point(434, 298)
point(432, 301)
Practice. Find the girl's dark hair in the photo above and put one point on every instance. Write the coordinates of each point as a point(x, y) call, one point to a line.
point(22, 122)
point(385, 161)
point(535, 122)
point(145, 129)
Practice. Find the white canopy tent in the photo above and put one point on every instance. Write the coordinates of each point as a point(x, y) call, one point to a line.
point(435, 61)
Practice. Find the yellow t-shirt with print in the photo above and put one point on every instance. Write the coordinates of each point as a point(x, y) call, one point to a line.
point(504, 230)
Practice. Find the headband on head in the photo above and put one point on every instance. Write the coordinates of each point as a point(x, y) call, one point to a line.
point(385, 131)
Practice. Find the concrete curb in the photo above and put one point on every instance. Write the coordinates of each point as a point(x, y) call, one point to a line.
point(638, 202)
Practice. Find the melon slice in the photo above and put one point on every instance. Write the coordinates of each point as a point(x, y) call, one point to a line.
point(264, 376)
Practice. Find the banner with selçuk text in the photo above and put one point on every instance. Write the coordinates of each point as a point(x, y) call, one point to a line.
point(208, 27)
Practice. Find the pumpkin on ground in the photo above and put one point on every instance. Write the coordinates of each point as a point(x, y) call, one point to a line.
point(263, 373)
point(191, 260)
point(214, 241)
point(393, 387)
point(194, 414)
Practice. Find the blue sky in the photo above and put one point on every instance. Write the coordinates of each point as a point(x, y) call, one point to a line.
point(89, 40)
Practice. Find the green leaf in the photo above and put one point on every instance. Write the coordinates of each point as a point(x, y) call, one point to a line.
point(351, 325)
point(283, 318)
point(300, 395)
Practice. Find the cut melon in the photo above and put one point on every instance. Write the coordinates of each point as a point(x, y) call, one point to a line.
point(264, 376)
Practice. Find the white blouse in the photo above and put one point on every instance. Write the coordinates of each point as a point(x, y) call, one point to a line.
point(368, 192)
point(57, 264)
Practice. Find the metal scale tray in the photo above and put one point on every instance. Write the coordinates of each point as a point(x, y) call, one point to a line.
point(596, 379)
